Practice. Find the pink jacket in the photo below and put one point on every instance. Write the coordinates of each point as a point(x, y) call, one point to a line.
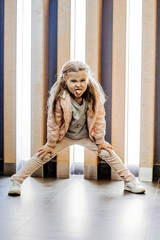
point(57, 126)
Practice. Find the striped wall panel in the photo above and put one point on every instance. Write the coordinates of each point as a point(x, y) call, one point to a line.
point(10, 23)
point(106, 60)
point(49, 60)
point(50, 167)
point(39, 75)
point(52, 42)
point(104, 170)
point(156, 173)
point(148, 90)
point(93, 23)
point(118, 79)
point(93, 59)
point(1, 83)
point(63, 55)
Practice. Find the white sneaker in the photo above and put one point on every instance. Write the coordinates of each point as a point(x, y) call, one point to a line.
point(15, 188)
point(134, 186)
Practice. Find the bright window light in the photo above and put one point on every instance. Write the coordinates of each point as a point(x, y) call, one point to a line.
point(23, 83)
point(78, 28)
point(133, 81)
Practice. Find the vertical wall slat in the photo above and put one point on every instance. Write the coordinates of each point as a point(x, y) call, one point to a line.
point(39, 75)
point(106, 73)
point(52, 66)
point(64, 18)
point(52, 43)
point(10, 24)
point(156, 173)
point(93, 36)
point(63, 55)
point(148, 90)
point(93, 59)
point(106, 60)
point(1, 84)
point(118, 78)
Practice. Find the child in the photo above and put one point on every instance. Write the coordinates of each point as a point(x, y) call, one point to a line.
point(75, 116)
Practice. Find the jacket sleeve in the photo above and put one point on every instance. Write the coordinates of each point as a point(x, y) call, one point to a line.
point(100, 124)
point(53, 126)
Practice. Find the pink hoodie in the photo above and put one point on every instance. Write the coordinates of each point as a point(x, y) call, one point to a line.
point(58, 126)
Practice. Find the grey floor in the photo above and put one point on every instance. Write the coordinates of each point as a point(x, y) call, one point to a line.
point(79, 209)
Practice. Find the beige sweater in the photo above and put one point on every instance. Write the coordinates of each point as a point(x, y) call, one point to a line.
point(58, 126)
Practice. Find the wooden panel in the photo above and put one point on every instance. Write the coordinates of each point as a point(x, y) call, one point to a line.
point(10, 82)
point(64, 15)
point(1, 86)
point(52, 42)
point(90, 165)
point(106, 60)
point(148, 89)
point(156, 172)
point(63, 164)
point(39, 77)
point(63, 55)
point(118, 78)
point(93, 59)
point(93, 36)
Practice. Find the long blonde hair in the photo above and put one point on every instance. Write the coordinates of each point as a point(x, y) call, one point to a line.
point(60, 85)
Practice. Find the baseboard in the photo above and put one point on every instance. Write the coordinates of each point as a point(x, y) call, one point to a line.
point(146, 174)
point(9, 169)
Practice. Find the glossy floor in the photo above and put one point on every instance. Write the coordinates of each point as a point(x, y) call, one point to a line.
point(79, 209)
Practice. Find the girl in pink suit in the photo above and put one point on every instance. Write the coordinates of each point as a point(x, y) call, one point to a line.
point(75, 116)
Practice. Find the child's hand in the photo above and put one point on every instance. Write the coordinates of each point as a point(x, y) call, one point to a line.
point(44, 150)
point(105, 145)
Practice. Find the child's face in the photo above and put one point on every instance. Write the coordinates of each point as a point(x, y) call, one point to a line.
point(77, 83)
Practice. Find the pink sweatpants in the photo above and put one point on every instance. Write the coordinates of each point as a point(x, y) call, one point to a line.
point(113, 160)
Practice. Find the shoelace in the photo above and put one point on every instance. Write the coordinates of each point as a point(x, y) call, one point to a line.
point(16, 184)
point(132, 184)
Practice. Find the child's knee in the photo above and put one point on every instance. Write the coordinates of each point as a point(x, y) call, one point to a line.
point(44, 159)
point(105, 154)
